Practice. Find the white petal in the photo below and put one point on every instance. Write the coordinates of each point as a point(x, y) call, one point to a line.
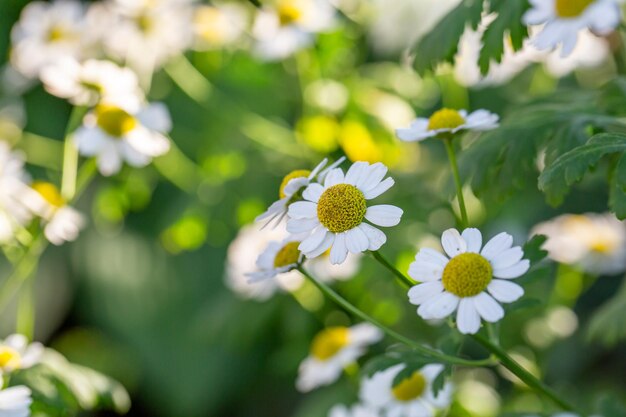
point(379, 189)
point(302, 210)
point(424, 292)
point(488, 308)
point(498, 244)
point(323, 247)
point(356, 240)
point(375, 175)
point(467, 318)
point(313, 192)
point(425, 271)
point(514, 271)
point(375, 236)
point(297, 226)
point(338, 252)
point(431, 256)
point(474, 239)
point(109, 160)
point(313, 241)
point(453, 243)
point(439, 306)
point(357, 171)
point(384, 215)
point(156, 116)
point(147, 143)
point(334, 177)
point(505, 291)
point(507, 258)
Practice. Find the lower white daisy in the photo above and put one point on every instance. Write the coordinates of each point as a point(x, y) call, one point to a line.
point(15, 401)
point(17, 353)
point(469, 281)
point(114, 133)
point(277, 258)
point(411, 397)
point(332, 350)
point(323, 270)
point(333, 215)
point(62, 222)
point(357, 410)
point(448, 121)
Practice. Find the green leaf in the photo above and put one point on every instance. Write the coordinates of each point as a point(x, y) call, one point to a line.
point(607, 325)
point(533, 249)
point(617, 193)
point(441, 43)
point(441, 379)
point(410, 358)
point(610, 406)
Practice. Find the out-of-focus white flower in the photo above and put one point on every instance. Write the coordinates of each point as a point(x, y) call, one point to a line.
point(448, 121)
point(17, 353)
point(219, 25)
point(62, 222)
point(357, 410)
point(277, 258)
point(45, 33)
point(322, 269)
point(114, 133)
point(86, 84)
point(564, 19)
point(595, 242)
point(286, 26)
point(242, 255)
point(15, 401)
point(413, 396)
point(332, 350)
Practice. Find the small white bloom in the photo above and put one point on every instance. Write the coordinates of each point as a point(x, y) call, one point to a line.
point(564, 19)
point(291, 186)
point(448, 121)
point(17, 353)
point(333, 215)
point(124, 132)
point(277, 258)
point(218, 25)
point(411, 397)
point(323, 270)
point(332, 350)
point(595, 242)
point(15, 401)
point(93, 81)
point(469, 281)
point(45, 33)
point(357, 410)
point(62, 222)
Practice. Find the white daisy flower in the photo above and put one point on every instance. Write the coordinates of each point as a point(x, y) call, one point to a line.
point(323, 270)
point(45, 33)
point(218, 25)
point(563, 19)
point(277, 258)
point(291, 188)
point(124, 132)
point(357, 410)
point(411, 397)
point(471, 280)
point(86, 84)
point(448, 121)
point(16, 353)
point(15, 401)
point(289, 25)
point(332, 350)
point(333, 215)
point(62, 222)
point(594, 242)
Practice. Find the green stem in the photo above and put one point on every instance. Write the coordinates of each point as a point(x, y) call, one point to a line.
point(70, 154)
point(431, 353)
point(384, 262)
point(457, 180)
point(26, 310)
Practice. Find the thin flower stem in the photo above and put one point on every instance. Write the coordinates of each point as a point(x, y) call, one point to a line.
point(26, 310)
point(457, 180)
point(431, 353)
point(70, 154)
point(384, 262)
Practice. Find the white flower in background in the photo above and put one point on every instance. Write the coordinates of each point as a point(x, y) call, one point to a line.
point(411, 397)
point(590, 52)
point(333, 215)
point(17, 353)
point(15, 401)
point(62, 222)
point(564, 19)
point(332, 350)
point(13, 178)
point(114, 133)
point(242, 256)
point(277, 258)
point(219, 25)
point(469, 281)
point(448, 121)
point(86, 84)
point(595, 242)
point(291, 187)
point(323, 270)
point(45, 33)
point(357, 410)
point(282, 28)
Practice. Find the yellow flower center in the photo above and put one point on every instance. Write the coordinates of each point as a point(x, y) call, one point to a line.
point(145, 23)
point(329, 341)
point(288, 255)
point(603, 246)
point(209, 23)
point(341, 207)
point(445, 119)
point(288, 13)
point(299, 173)
point(410, 388)
point(571, 8)
point(57, 33)
point(467, 275)
point(114, 121)
point(9, 358)
point(49, 192)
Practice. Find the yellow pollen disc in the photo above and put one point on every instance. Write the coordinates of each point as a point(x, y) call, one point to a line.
point(288, 255)
point(49, 192)
point(329, 341)
point(288, 13)
point(114, 121)
point(9, 358)
point(144, 23)
point(341, 207)
point(299, 173)
point(571, 8)
point(410, 388)
point(603, 246)
point(467, 275)
point(445, 119)
point(56, 33)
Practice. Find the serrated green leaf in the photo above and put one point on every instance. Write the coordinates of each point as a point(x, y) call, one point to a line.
point(441, 379)
point(533, 250)
point(617, 194)
point(441, 43)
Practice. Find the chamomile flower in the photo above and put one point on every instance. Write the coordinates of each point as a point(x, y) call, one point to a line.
point(594, 242)
point(277, 258)
point(323, 270)
point(62, 222)
point(86, 84)
point(218, 25)
point(332, 350)
point(114, 133)
point(15, 401)
point(471, 280)
point(564, 19)
point(13, 187)
point(291, 188)
point(45, 33)
point(17, 353)
point(357, 410)
point(411, 397)
point(448, 121)
point(333, 215)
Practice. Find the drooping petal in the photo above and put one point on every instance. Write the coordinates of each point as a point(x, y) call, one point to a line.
point(488, 308)
point(505, 291)
point(453, 243)
point(467, 318)
point(384, 215)
point(473, 238)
